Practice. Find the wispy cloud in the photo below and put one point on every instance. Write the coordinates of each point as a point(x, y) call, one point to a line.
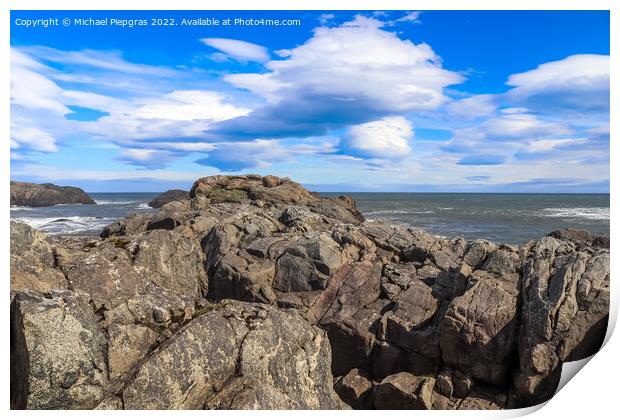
point(162, 126)
point(238, 50)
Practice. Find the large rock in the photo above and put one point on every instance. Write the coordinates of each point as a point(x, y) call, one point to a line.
point(273, 190)
point(411, 326)
point(171, 259)
point(478, 329)
point(103, 270)
point(579, 236)
point(564, 313)
point(353, 338)
point(354, 286)
point(134, 223)
point(354, 388)
point(41, 195)
point(168, 197)
point(33, 263)
point(239, 356)
point(57, 352)
point(404, 391)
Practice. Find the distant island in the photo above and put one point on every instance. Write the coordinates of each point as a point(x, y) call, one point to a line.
point(254, 292)
point(42, 195)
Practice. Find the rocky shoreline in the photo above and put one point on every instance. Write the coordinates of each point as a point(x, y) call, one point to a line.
point(256, 293)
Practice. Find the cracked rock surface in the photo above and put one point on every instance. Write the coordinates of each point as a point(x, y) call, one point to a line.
point(254, 293)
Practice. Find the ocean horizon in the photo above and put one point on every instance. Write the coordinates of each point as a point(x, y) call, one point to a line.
point(513, 218)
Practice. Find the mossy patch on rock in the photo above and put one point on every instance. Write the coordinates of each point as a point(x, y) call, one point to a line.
point(222, 195)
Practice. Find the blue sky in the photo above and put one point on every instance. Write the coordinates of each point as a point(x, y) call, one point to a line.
point(345, 101)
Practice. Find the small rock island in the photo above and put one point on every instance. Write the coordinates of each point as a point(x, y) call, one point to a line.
point(42, 195)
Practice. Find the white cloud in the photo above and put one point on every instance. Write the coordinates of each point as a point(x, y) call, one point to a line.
point(39, 107)
point(501, 137)
point(350, 74)
point(517, 126)
point(89, 100)
point(138, 154)
point(237, 156)
point(30, 89)
point(513, 110)
point(34, 105)
point(578, 83)
point(546, 145)
point(409, 17)
point(147, 158)
point(355, 60)
point(187, 105)
point(179, 114)
point(387, 138)
point(474, 106)
point(32, 138)
point(183, 146)
point(239, 50)
point(326, 17)
point(111, 61)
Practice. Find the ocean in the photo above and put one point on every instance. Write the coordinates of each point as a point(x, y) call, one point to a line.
point(502, 218)
point(83, 219)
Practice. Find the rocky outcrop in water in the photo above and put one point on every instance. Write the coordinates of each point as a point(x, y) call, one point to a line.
point(42, 195)
point(256, 293)
point(168, 197)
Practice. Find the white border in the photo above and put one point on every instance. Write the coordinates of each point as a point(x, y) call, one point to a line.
point(592, 394)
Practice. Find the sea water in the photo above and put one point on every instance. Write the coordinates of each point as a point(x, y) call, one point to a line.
point(502, 218)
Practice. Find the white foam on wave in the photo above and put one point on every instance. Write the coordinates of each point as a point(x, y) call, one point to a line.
point(144, 206)
point(388, 212)
point(21, 208)
point(591, 213)
point(112, 202)
point(65, 225)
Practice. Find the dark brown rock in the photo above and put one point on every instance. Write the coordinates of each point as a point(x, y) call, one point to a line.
point(404, 391)
point(42, 195)
point(479, 327)
point(581, 237)
point(354, 388)
point(270, 181)
point(351, 288)
point(352, 338)
point(168, 197)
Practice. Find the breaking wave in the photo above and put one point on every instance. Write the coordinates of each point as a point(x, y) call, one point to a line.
point(66, 225)
point(592, 213)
